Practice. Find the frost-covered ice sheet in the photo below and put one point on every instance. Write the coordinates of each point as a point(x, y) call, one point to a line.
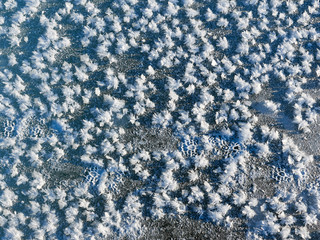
point(159, 119)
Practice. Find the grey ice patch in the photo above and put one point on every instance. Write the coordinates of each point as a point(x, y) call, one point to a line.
point(63, 173)
point(68, 175)
point(150, 139)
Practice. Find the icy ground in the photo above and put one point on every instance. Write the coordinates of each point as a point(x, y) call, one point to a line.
point(159, 119)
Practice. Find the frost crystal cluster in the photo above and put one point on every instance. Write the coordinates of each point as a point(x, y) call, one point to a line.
point(121, 118)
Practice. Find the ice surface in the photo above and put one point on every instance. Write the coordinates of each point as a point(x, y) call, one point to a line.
point(159, 119)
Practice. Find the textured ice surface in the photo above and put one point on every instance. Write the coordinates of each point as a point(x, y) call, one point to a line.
point(159, 119)
point(150, 139)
